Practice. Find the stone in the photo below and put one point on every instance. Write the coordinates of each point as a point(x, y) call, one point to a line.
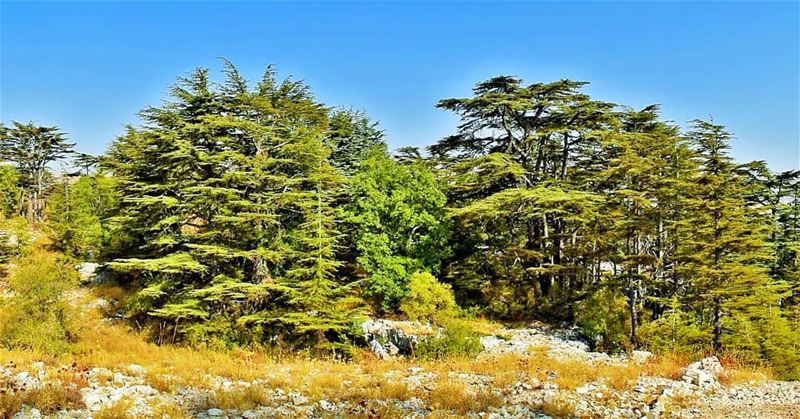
point(93, 401)
point(703, 373)
point(298, 399)
point(326, 405)
point(87, 272)
point(378, 349)
point(394, 333)
point(215, 413)
point(28, 413)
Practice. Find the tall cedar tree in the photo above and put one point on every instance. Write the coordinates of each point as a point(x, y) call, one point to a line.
point(351, 136)
point(31, 148)
point(518, 217)
point(729, 257)
point(226, 196)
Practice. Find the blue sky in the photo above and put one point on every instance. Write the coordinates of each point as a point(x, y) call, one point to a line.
point(89, 67)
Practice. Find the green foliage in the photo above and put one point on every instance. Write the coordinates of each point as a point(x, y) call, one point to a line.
point(428, 298)
point(226, 213)
point(253, 214)
point(398, 215)
point(675, 331)
point(457, 338)
point(351, 136)
point(78, 214)
point(36, 316)
point(31, 148)
point(9, 190)
point(604, 318)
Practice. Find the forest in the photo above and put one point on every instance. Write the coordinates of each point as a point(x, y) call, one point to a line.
point(243, 214)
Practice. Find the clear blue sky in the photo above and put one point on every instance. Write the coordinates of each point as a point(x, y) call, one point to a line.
point(89, 67)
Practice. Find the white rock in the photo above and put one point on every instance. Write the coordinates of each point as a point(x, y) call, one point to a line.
point(298, 399)
point(93, 401)
point(703, 373)
point(378, 349)
point(87, 271)
point(326, 405)
point(215, 413)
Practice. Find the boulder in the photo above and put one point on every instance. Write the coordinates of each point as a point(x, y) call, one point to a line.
point(87, 272)
point(388, 337)
point(703, 373)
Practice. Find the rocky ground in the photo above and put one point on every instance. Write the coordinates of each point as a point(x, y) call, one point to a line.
point(419, 391)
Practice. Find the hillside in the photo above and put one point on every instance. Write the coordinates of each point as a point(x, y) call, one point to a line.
point(536, 372)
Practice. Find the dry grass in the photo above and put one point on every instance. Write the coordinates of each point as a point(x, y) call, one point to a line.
point(242, 398)
point(165, 410)
point(558, 408)
point(48, 399)
point(455, 395)
point(738, 370)
point(117, 410)
point(10, 403)
point(670, 365)
point(366, 379)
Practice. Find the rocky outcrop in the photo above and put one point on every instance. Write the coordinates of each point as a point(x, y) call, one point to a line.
point(560, 343)
point(388, 338)
point(703, 373)
point(91, 273)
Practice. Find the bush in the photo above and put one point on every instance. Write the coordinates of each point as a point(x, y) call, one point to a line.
point(428, 298)
point(15, 236)
point(675, 332)
point(604, 318)
point(35, 316)
point(458, 338)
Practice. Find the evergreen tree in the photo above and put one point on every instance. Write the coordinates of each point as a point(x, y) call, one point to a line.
point(10, 193)
point(729, 258)
point(225, 199)
point(352, 134)
point(516, 146)
point(31, 148)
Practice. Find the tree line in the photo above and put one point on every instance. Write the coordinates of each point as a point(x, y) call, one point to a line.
point(244, 213)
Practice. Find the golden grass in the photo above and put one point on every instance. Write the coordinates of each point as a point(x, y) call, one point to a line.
point(365, 379)
point(454, 395)
point(117, 410)
point(669, 365)
point(48, 399)
point(558, 408)
point(165, 410)
point(242, 398)
point(738, 370)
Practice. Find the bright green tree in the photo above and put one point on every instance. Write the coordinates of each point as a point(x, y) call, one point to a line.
point(78, 215)
point(399, 223)
point(10, 193)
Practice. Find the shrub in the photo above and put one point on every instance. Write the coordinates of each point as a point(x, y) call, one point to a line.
point(428, 298)
point(457, 339)
point(14, 237)
point(604, 318)
point(35, 316)
point(675, 332)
